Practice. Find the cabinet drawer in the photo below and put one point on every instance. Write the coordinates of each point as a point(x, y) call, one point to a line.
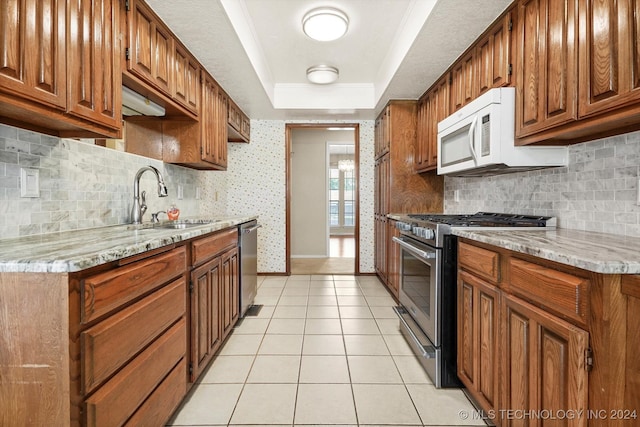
point(562, 293)
point(121, 396)
point(203, 249)
point(164, 400)
point(481, 261)
point(107, 291)
point(108, 345)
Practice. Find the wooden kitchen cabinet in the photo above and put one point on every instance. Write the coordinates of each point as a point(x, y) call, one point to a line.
point(398, 188)
point(478, 337)
point(547, 65)
point(463, 81)
point(186, 84)
point(93, 60)
point(435, 106)
point(214, 296)
point(493, 55)
point(609, 55)
point(543, 362)
point(239, 124)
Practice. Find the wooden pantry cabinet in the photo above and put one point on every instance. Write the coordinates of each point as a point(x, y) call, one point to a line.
point(536, 335)
point(60, 67)
point(398, 187)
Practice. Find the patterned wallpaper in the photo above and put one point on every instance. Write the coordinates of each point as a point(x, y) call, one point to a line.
point(598, 191)
point(81, 185)
point(256, 184)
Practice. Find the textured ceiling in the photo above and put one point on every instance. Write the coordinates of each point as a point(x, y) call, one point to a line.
point(394, 49)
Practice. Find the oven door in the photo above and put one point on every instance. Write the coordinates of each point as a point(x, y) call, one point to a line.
point(419, 285)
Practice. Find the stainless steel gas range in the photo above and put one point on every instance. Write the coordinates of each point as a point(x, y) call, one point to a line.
point(428, 282)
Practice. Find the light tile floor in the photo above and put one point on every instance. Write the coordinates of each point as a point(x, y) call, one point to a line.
point(324, 350)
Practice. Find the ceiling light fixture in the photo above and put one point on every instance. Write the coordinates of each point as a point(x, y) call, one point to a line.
point(325, 24)
point(322, 74)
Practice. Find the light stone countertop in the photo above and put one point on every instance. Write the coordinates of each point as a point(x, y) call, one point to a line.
point(597, 252)
point(72, 251)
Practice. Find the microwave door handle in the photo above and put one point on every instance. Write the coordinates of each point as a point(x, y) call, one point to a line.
point(472, 139)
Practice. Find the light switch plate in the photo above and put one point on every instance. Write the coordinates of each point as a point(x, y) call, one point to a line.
point(29, 182)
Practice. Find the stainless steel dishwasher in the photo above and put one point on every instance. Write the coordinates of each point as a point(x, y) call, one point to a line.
point(248, 264)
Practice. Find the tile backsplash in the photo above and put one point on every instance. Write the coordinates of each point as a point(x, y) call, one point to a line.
point(81, 185)
point(597, 191)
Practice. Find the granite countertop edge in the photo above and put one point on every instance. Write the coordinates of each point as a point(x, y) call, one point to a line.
point(596, 252)
point(73, 251)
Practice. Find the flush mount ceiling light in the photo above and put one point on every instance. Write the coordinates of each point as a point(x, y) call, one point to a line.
point(325, 24)
point(322, 74)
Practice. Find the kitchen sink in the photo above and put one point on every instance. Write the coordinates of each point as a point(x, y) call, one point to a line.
point(186, 223)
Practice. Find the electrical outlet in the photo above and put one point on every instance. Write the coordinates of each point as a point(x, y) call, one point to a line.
point(29, 182)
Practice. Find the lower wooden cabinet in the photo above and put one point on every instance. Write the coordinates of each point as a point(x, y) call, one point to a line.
point(538, 338)
point(214, 297)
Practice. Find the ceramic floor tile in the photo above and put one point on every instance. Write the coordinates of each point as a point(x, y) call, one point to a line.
point(286, 326)
point(265, 404)
point(373, 370)
point(346, 284)
point(375, 292)
point(384, 312)
point(348, 291)
point(322, 291)
point(316, 300)
point(321, 284)
point(344, 277)
point(411, 370)
point(281, 344)
point(209, 404)
point(300, 284)
point(322, 312)
point(241, 345)
point(323, 327)
point(274, 280)
point(295, 291)
point(270, 292)
point(325, 403)
point(228, 369)
point(323, 345)
point(389, 326)
point(321, 277)
point(380, 301)
point(351, 300)
point(266, 300)
point(398, 345)
point(365, 345)
point(449, 404)
point(360, 327)
point(290, 312)
point(355, 312)
point(249, 325)
point(292, 301)
point(275, 369)
point(384, 404)
point(324, 369)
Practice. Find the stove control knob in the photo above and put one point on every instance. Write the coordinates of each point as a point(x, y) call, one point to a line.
point(428, 233)
point(403, 226)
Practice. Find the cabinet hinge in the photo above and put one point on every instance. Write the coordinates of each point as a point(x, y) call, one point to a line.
point(127, 6)
point(190, 368)
point(510, 26)
point(588, 359)
point(126, 53)
point(510, 69)
point(191, 286)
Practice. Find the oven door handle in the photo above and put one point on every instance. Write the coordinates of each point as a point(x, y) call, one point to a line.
point(413, 250)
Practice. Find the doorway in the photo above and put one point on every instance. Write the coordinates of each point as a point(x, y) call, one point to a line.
point(322, 199)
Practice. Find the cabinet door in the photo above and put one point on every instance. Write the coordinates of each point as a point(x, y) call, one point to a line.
point(94, 61)
point(609, 55)
point(208, 119)
point(421, 156)
point(543, 362)
point(394, 257)
point(221, 129)
point(547, 65)
point(32, 52)
point(493, 56)
point(186, 84)
point(440, 110)
point(463, 82)
point(230, 286)
point(150, 47)
point(205, 315)
point(478, 338)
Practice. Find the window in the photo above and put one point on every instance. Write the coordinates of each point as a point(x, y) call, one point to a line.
point(341, 197)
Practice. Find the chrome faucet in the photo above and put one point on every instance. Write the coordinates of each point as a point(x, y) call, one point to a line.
point(137, 210)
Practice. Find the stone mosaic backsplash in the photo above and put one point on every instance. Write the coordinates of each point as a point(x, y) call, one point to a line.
point(597, 191)
point(81, 185)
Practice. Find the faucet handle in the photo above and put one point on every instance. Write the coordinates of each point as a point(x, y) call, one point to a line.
point(154, 216)
point(143, 206)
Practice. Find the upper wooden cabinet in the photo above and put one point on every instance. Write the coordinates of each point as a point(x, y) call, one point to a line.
point(493, 55)
point(33, 52)
point(382, 133)
point(547, 65)
point(609, 55)
point(433, 107)
point(239, 124)
point(186, 87)
point(464, 87)
point(95, 73)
